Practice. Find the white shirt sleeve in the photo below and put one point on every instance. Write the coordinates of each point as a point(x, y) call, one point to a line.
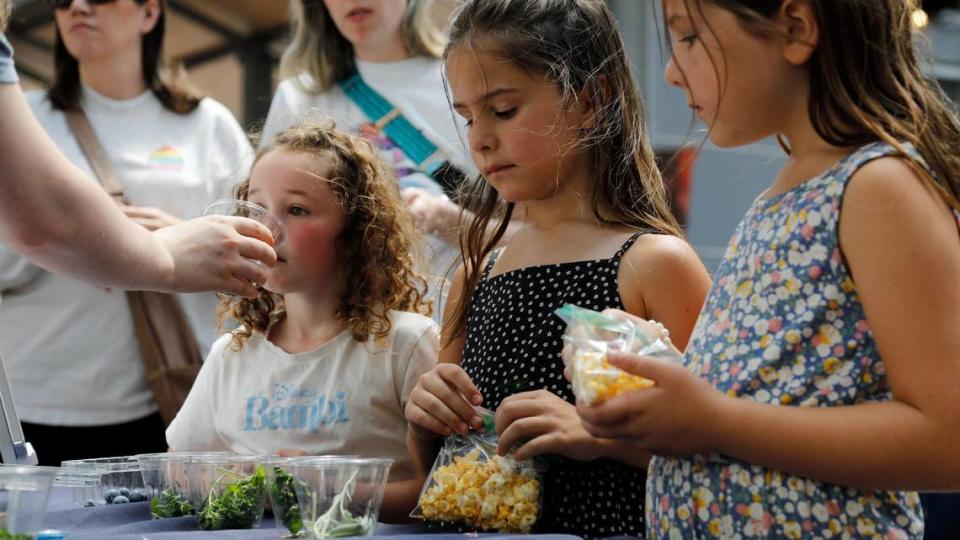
point(422, 358)
point(194, 428)
point(15, 270)
point(234, 157)
point(283, 110)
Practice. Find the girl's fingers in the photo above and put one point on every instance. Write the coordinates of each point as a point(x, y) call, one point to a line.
point(522, 430)
point(416, 415)
point(446, 405)
point(513, 409)
point(458, 378)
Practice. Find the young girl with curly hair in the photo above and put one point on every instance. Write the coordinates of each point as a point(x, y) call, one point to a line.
point(325, 357)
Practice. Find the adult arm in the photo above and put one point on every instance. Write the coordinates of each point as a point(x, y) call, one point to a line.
point(53, 214)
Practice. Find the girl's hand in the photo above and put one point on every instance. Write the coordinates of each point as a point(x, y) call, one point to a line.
point(674, 417)
point(151, 218)
point(541, 422)
point(436, 214)
point(442, 402)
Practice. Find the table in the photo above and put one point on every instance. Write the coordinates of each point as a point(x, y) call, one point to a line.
point(132, 522)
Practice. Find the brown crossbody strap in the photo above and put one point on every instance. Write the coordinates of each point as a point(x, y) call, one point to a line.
point(96, 156)
point(168, 347)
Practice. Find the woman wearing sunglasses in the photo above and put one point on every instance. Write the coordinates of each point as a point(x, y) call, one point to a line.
point(173, 153)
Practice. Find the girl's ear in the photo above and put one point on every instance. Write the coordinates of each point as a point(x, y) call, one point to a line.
point(151, 14)
point(591, 102)
point(803, 33)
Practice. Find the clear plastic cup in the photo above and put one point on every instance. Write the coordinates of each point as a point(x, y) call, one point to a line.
point(24, 491)
point(241, 208)
point(167, 484)
point(339, 496)
point(227, 491)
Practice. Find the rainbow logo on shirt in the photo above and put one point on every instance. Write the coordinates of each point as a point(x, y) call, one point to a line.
point(166, 157)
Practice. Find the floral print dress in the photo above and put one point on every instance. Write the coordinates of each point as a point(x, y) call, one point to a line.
point(783, 325)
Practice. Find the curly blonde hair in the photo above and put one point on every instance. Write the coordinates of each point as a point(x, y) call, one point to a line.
point(378, 239)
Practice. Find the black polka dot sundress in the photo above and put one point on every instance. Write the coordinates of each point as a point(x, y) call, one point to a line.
point(513, 345)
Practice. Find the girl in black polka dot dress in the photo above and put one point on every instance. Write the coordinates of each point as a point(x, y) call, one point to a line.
point(554, 125)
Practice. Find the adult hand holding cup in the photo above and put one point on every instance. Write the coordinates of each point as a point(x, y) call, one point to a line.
point(249, 210)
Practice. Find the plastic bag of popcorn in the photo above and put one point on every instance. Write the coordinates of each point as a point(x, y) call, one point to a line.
point(470, 484)
point(590, 335)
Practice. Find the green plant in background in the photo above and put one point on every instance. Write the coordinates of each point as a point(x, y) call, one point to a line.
point(338, 521)
point(7, 535)
point(240, 505)
point(286, 508)
point(169, 504)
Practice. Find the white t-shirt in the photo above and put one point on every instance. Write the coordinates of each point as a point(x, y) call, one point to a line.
point(69, 347)
point(415, 86)
point(345, 397)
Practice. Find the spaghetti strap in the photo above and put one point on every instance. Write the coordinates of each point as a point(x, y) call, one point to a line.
point(627, 245)
point(494, 255)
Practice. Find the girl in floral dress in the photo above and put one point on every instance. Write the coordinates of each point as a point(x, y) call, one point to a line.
point(820, 386)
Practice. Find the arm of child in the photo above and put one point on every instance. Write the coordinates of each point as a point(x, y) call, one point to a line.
point(901, 244)
point(438, 404)
point(660, 278)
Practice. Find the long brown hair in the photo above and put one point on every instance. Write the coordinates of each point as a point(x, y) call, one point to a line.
point(172, 92)
point(866, 84)
point(378, 238)
point(576, 45)
point(320, 50)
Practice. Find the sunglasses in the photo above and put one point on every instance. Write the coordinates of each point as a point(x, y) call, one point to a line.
point(64, 4)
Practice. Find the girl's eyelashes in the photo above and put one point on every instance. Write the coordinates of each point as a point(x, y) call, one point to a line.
point(297, 211)
point(502, 115)
point(689, 38)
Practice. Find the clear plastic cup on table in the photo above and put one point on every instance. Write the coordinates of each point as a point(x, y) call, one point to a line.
point(339, 496)
point(24, 491)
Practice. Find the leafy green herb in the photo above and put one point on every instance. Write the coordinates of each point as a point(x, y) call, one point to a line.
point(170, 504)
point(338, 521)
point(240, 505)
point(286, 508)
point(7, 535)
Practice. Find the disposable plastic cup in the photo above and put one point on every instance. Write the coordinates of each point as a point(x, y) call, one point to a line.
point(339, 496)
point(24, 491)
point(247, 209)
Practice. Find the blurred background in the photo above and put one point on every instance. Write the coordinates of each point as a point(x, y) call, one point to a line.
point(230, 50)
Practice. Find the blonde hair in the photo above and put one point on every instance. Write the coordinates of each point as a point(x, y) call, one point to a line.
point(377, 239)
point(5, 9)
point(320, 50)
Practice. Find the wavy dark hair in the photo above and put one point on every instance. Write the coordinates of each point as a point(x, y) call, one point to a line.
point(866, 84)
point(378, 239)
point(172, 92)
point(577, 46)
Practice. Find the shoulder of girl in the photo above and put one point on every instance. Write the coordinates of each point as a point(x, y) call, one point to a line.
point(659, 252)
point(883, 178)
